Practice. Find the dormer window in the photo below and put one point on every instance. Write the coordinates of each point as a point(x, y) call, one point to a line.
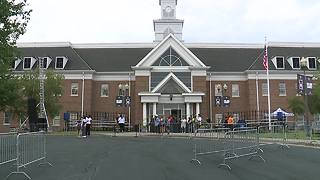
point(15, 64)
point(46, 62)
point(296, 62)
point(28, 63)
point(278, 62)
point(312, 63)
point(61, 62)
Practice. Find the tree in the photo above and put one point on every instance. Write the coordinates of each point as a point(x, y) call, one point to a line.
point(13, 22)
point(53, 89)
point(296, 105)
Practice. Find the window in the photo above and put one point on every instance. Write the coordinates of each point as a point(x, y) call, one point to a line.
point(56, 121)
point(218, 89)
point(219, 118)
point(74, 89)
point(7, 118)
point(123, 89)
point(280, 62)
point(235, 90)
point(45, 62)
point(264, 89)
point(104, 90)
point(59, 63)
point(296, 63)
point(27, 63)
point(282, 89)
point(74, 116)
point(312, 63)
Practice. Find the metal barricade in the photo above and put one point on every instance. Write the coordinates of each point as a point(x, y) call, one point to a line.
point(240, 143)
point(30, 148)
point(8, 147)
point(274, 134)
point(207, 141)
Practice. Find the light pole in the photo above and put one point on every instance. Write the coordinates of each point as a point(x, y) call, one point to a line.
point(304, 67)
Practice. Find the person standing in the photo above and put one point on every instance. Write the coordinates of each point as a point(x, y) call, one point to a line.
point(157, 124)
point(78, 124)
point(83, 126)
point(88, 125)
point(183, 124)
point(121, 122)
point(199, 120)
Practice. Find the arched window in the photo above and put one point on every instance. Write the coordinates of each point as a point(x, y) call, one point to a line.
point(170, 58)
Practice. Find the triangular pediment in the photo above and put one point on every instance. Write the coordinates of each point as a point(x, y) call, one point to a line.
point(173, 44)
point(171, 84)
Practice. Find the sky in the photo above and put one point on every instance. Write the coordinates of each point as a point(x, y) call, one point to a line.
point(213, 21)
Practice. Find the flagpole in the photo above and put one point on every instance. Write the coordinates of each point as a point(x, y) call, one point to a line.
point(268, 84)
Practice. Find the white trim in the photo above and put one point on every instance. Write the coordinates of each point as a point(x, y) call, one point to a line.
point(199, 73)
point(294, 44)
point(112, 78)
point(274, 61)
point(170, 41)
point(167, 78)
point(242, 77)
point(142, 73)
point(76, 76)
point(224, 45)
point(152, 45)
point(113, 45)
point(43, 44)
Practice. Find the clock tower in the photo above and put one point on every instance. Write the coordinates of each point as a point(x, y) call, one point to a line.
point(168, 22)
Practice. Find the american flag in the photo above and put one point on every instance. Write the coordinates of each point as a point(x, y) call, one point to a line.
point(265, 58)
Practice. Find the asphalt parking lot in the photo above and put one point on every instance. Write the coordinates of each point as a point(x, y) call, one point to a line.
point(136, 158)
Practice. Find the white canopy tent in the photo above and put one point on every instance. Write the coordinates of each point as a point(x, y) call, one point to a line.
point(275, 113)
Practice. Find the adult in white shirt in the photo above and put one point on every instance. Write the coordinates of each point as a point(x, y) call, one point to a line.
point(88, 125)
point(183, 124)
point(121, 122)
point(199, 119)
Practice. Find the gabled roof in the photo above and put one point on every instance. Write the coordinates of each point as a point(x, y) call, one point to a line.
point(164, 45)
point(166, 80)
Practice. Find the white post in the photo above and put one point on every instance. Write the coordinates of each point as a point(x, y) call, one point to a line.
point(257, 90)
point(129, 113)
point(188, 110)
point(197, 109)
point(154, 109)
point(82, 94)
point(144, 114)
point(210, 86)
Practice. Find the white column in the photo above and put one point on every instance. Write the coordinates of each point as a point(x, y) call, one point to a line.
point(154, 111)
point(197, 109)
point(188, 110)
point(144, 114)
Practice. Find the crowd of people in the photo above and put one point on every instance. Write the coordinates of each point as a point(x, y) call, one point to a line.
point(84, 126)
point(161, 124)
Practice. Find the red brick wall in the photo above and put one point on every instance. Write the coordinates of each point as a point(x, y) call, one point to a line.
point(201, 85)
point(141, 85)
